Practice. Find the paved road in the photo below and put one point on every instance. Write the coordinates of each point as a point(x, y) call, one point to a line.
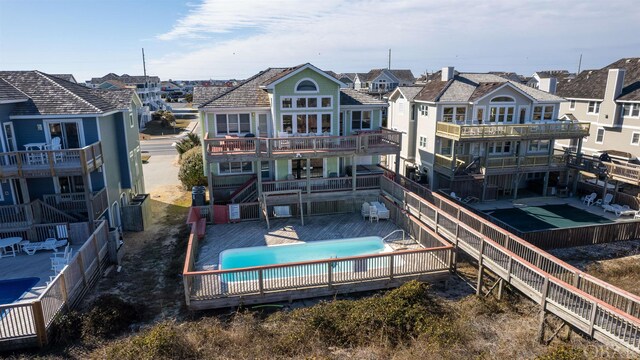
point(158, 146)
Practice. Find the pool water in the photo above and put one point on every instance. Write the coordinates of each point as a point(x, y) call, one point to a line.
point(14, 289)
point(317, 250)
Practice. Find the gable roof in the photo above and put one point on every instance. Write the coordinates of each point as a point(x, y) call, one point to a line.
point(400, 74)
point(468, 87)
point(351, 97)
point(296, 69)
point(50, 95)
point(120, 98)
point(404, 75)
point(408, 92)
point(68, 77)
point(248, 93)
point(591, 84)
point(9, 94)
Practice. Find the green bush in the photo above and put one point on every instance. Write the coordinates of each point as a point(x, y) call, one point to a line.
point(162, 341)
point(191, 171)
point(66, 328)
point(187, 143)
point(109, 316)
point(167, 119)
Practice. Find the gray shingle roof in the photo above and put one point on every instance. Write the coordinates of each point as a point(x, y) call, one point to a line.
point(591, 84)
point(68, 77)
point(245, 94)
point(410, 92)
point(49, 95)
point(401, 74)
point(10, 93)
point(432, 90)
point(404, 75)
point(353, 97)
point(120, 98)
point(202, 94)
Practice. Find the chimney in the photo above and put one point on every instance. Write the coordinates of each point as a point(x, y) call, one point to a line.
point(609, 110)
point(447, 73)
point(548, 84)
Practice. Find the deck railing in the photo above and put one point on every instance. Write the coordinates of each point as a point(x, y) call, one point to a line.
point(77, 202)
point(628, 173)
point(555, 130)
point(12, 216)
point(26, 323)
point(328, 273)
point(363, 182)
point(497, 163)
point(381, 141)
point(599, 309)
point(42, 163)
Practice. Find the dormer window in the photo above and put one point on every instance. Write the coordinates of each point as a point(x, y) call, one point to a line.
point(306, 85)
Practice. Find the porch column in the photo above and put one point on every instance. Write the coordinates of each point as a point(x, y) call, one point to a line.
point(259, 174)
point(454, 164)
point(89, 201)
point(26, 199)
point(308, 188)
point(484, 188)
point(545, 183)
point(605, 186)
point(210, 180)
point(397, 179)
point(515, 186)
point(353, 171)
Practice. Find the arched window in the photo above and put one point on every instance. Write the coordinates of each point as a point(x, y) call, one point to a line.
point(502, 99)
point(306, 85)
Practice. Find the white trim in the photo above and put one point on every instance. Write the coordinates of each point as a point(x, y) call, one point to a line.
point(13, 133)
point(294, 102)
point(527, 116)
point(294, 122)
point(634, 133)
point(302, 68)
point(289, 168)
point(239, 133)
point(583, 99)
point(47, 129)
point(13, 101)
point(324, 168)
point(543, 106)
point(295, 88)
point(220, 173)
point(603, 133)
point(361, 112)
point(513, 100)
point(475, 112)
point(596, 106)
point(63, 116)
point(512, 87)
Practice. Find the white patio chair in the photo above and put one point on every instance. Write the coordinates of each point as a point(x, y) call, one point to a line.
point(283, 144)
point(373, 214)
point(383, 212)
point(606, 201)
point(56, 144)
point(61, 258)
point(589, 199)
point(62, 232)
point(453, 195)
point(365, 210)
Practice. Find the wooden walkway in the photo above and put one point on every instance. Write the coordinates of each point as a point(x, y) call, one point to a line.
point(287, 231)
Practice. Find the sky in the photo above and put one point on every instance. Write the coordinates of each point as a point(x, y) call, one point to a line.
point(224, 39)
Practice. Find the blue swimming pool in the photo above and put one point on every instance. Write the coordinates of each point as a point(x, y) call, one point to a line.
point(12, 290)
point(317, 250)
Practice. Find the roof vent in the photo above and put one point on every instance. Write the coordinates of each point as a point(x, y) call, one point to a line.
point(628, 61)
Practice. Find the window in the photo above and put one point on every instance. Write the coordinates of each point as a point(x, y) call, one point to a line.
point(501, 113)
point(326, 123)
point(233, 124)
point(539, 146)
point(423, 142)
point(635, 138)
point(236, 167)
point(287, 103)
point(361, 120)
point(306, 85)
point(479, 114)
point(306, 123)
point(594, 107)
point(301, 102)
point(446, 146)
point(287, 123)
point(130, 118)
point(631, 110)
point(500, 147)
point(312, 102)
point(326, 102)
point(502, 99)
point(542, 112)
point(424, 110)
point(600, 136)
point(572, 105)
point(450, 113)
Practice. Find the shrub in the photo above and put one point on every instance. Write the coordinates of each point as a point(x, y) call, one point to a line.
point(563, 352)
point(66, 328)
point(191, 171)
point(162, 341)
point(167, 119)
point(188, 98)
point(109, 316)
point(157, 116)
point(187, 143)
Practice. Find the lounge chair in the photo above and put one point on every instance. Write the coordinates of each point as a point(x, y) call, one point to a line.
point(589, 199)
point(606, 201)
point(49, 244)
point(61, 258)
point(625, 210)
point(470, 200)
point(453, 195)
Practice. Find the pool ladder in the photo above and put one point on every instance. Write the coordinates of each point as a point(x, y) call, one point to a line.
point(393, 232)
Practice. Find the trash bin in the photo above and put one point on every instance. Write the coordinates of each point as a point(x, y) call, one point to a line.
point(198, 196)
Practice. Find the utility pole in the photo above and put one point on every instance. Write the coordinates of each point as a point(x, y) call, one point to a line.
point(389, 60)
point(579, 64)
point(146, 81)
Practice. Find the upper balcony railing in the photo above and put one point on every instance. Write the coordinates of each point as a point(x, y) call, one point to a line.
point(539, 130)
point(378, 142)
point(628, 173)
point(500, 164)
point(45, 163)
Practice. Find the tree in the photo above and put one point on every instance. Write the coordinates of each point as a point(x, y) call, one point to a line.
point(187, 143)
point(192, 169)
point(167, 119)
point(188, 98)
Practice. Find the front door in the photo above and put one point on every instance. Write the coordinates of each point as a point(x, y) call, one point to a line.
point(19, 197)
point(68, 132)
point(70, 184)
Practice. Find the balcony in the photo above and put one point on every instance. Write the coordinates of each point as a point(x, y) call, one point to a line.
point(75, 203)
point(501, 165)
point(49, 163)
point(628, 173)
point(548, 130)
point(379, 142)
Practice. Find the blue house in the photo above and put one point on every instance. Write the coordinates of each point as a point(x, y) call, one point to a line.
point(72, 150)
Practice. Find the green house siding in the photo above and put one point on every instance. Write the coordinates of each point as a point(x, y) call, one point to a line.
point(326, 87)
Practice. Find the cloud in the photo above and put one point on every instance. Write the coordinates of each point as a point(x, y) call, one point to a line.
point(239, 38)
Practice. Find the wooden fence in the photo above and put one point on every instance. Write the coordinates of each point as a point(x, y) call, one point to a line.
point(27, 323)
point(597, 308)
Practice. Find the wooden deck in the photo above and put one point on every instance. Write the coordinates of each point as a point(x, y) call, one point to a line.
point(287, 231)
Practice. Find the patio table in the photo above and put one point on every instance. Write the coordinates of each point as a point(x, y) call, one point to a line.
point(9, 243)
